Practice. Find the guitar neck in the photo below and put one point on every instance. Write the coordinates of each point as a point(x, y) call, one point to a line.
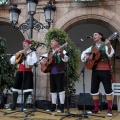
point(62, 46)
point(100, 48)
point(52, 55)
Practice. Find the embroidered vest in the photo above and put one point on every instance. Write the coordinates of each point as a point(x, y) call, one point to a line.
point(61, 66)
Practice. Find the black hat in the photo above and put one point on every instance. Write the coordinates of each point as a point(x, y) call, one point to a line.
point(103, 39)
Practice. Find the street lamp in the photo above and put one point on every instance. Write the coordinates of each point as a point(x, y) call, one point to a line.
point(32, 23)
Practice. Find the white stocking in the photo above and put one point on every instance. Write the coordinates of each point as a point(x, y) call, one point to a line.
point(54, 97)
point(62, 97)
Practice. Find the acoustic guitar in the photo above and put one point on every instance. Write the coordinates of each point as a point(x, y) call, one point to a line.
point(20, 55)
point(90, 64)
point(47, 67)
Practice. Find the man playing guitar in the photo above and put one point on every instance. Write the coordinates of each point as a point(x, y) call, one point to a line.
point(24, 60)
point(101, 69)
point(56, 60)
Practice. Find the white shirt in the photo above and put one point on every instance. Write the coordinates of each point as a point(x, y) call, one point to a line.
point(65, 59)
point(30, 60)
point(89, 50)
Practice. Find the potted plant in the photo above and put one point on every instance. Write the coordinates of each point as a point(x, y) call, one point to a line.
point(6, 69)
point(74, 58)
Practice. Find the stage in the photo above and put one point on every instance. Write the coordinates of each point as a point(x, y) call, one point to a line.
point(44, 116)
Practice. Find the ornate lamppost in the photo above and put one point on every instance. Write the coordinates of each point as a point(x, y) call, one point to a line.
point(32, 23)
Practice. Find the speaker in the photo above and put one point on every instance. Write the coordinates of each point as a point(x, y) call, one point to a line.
point(89, 104)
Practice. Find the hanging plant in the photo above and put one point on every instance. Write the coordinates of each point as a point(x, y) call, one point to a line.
point(74, 56)
point(34, 44)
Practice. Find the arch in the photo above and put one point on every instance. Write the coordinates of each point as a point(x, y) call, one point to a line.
point(95, 15)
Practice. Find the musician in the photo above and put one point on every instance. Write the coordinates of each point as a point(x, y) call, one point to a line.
point(57, 72)
point(24, 72)
point(101, 72)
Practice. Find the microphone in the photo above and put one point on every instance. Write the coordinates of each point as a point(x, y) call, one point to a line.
point(38, 45)
point(41, 43)
point(88, 36)
point(10, 55)
point(81, 40)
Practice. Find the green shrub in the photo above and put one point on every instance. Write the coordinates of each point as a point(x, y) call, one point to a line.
point(6, 69)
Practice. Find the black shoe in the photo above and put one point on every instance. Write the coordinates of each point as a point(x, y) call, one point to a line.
point(53, 107)
point(61, 110)
point(12, 107)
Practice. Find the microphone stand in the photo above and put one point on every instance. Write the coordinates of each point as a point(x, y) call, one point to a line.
point(34, 108)
point(35, 79)
point(84, 111)
point(67, 112)
point(24, 58)
point(84, 114)
point(21, 109)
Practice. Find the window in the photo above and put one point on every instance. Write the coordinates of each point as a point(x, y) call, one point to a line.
point(4, 2)
point(84, 0)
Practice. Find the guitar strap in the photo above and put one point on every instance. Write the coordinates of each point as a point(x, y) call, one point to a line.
point(57, 56)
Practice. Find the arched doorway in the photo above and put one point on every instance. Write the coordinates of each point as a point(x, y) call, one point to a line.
point(13, 37)
point(77, 33)
point(101, 17)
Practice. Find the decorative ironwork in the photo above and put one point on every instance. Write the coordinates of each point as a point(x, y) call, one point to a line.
point(36, 25)
point(32, 23)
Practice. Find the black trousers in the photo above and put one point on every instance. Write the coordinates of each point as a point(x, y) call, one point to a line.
point(103, 76)
point(57, 82)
